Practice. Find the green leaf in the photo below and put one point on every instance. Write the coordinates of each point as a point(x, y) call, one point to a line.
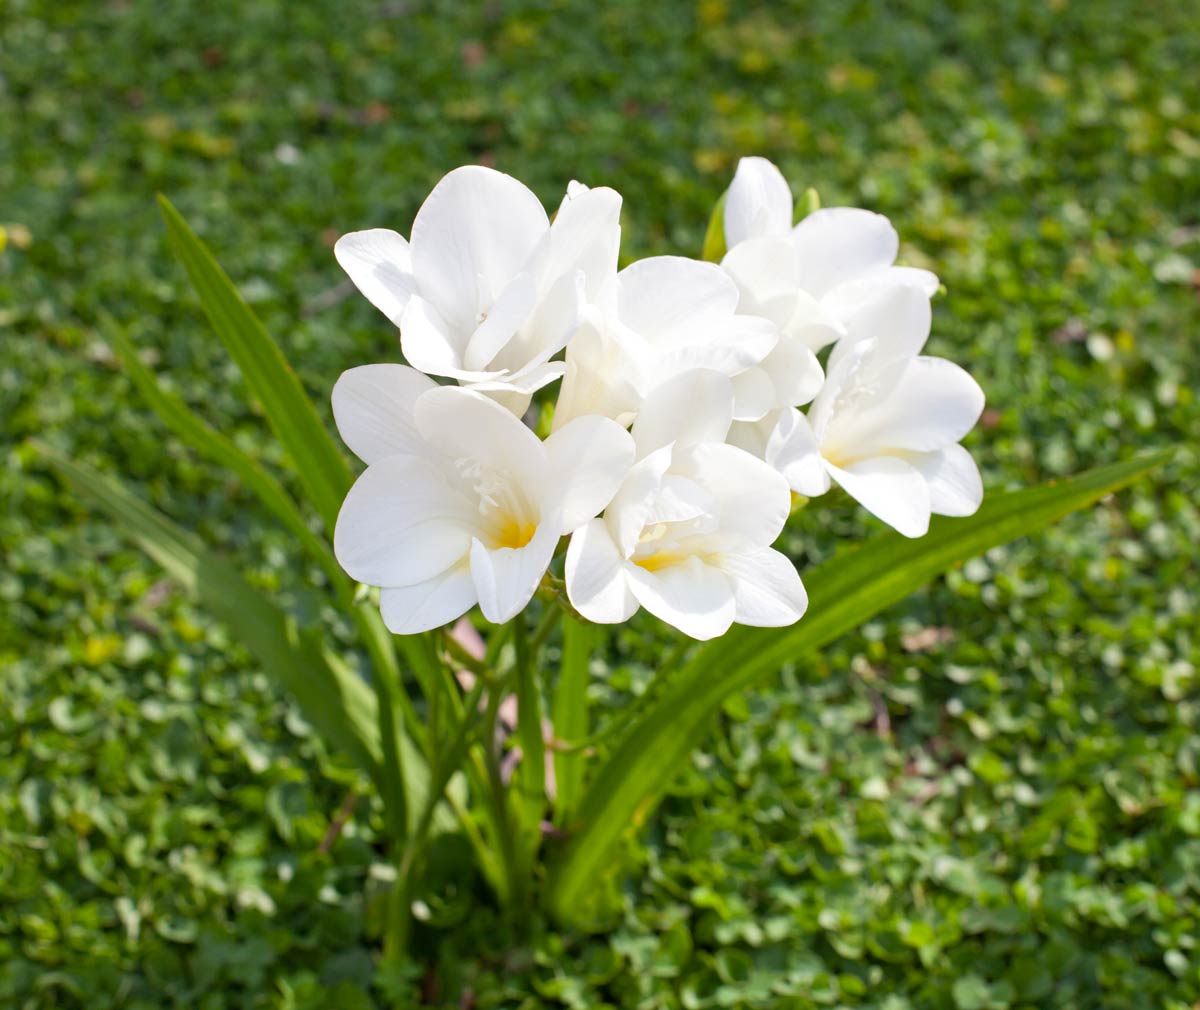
point(714, 235)
point(181, 419)
point(314, 455)
point(193, 429)
point(570, 713)
point(333, 698)
point(849, 589)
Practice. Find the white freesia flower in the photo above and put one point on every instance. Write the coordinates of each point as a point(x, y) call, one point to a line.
point(488, 291)
point(460, 502)
point(688, 535)
point(886, 424)
point(808, 278)
point(666, 315)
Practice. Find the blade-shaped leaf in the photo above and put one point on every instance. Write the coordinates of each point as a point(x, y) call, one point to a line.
point(181, 419)
point(177, 415)
point(845, 591)
point(333, 698)
point(315, 456)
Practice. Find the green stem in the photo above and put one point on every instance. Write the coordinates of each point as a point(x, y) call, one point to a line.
point(632, 712)
point(569, 713)
point(446, 764)
point(395, 806)
point(479, 774)
point(544, 629)
point(498, 800)
point(459, 654)
point(531, 774)
point(495, 645)
point(390, 695)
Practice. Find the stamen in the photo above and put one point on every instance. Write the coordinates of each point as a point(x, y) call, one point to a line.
point(499, 504)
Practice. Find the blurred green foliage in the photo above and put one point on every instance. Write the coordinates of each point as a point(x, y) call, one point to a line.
point(989, 799)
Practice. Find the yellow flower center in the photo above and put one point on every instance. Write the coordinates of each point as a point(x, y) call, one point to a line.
point(660, 560)
point(507, 519)
point(651, 558)
point(513, 532)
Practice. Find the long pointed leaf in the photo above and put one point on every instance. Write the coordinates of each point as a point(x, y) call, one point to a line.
point(402, 779)
point(847, 590)
point(315, 456)
point(181, 419)
point(333, 698)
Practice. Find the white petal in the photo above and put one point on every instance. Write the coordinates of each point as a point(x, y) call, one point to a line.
point(680, 499)
point(475, 232)
point(884, 337)
point(754, 393)
point(429, 342)
point(522, 384)
point(890, 489)
point(587, 460)
point(813, 324)
point(841, 388)
point(767, 273)
point(373, 410)
point(666, 299)
point(601, 378)
point(515, 402)
point(595, 576)
point(628, 512)
point(844, 299)
point(759, 202)
point(840, 243)
point(692, 596)
point(938, 402)
point(955, 488)
point(503, 318)
point(767, 590)
point(409, 610)
point(897, 316)
point(753, 500)
point(729, 346)
point(692, 407)
point(379, 263)
point(933, 404)
point(586, 236)
point(402, 523)
point(795, 373)
point(752, 435)
point(464, 425)
point(792, 450)
point(924, 280)
point(553, 322)
point(506, 578)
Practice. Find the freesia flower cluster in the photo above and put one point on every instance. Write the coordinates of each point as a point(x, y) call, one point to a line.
point(677, 440)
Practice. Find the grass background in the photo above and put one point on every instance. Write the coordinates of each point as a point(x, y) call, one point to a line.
point(989, 798)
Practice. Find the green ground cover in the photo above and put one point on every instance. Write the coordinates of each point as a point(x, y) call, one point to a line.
point(989, 798)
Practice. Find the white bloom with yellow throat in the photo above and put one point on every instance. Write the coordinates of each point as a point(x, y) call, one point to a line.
point(487, 290)
point(688, 535)
point(460, 502)
point(886, 424)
